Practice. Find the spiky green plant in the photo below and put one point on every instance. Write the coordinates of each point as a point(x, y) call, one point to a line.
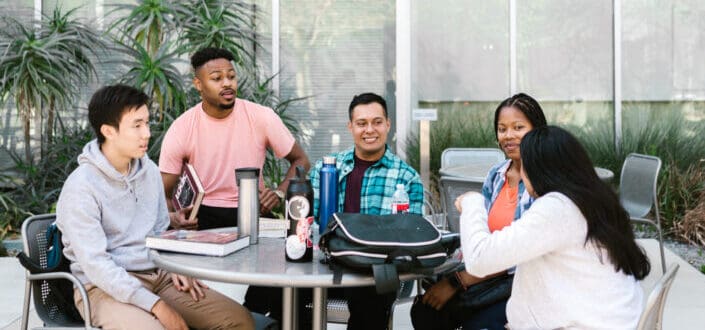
point(85, 45)
point(44, 66)
point(222, 24)
point(41, 180)
point(147, 22)
point(157, 75)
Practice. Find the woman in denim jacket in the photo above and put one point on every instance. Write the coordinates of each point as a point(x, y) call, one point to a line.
point(445, 304)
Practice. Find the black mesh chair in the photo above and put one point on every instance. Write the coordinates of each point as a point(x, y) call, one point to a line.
point(52, 290)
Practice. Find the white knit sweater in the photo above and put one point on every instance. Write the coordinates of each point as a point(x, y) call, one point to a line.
point(560, 281)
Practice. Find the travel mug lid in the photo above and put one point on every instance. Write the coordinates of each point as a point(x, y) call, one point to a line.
point(329, 160)
point(246, 173)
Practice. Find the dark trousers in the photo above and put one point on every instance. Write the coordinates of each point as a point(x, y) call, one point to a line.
point(216, 217)
point(492, 317)
point(368, 310)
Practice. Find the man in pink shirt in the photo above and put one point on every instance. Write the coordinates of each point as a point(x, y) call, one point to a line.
point(217, 136)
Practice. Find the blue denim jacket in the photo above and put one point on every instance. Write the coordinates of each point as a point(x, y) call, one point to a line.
point(493, 184)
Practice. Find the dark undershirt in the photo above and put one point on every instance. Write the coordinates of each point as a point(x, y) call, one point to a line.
point(353, 185)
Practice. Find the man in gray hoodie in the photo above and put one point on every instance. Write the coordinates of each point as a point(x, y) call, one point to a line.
point(107, 207)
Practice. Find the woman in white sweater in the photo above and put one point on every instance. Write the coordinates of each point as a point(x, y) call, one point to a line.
point(578, 265)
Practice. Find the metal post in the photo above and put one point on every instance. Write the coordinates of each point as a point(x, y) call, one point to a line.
point(288, 301)
point(512, 47)
point(617, 73)
point(425, 152)
point(275, 47)
point(403, 97)
point(320, 305)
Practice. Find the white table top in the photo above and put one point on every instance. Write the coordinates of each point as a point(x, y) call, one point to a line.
point(261, 264)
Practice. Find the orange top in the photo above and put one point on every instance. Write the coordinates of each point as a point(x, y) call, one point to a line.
point(504, 207)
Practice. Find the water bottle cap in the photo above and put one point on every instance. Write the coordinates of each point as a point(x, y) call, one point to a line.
point(400, 186)
point(328, 160)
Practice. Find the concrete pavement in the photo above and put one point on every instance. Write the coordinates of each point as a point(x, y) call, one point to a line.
point(685, 307)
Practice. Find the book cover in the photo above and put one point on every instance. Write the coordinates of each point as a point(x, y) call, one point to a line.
point(215, 242)
point(188, 192)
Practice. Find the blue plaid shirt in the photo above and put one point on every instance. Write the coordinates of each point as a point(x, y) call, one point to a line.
point(493, 185)
point(378, 184)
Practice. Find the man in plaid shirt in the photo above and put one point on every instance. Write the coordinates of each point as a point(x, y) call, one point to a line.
point(367, 177)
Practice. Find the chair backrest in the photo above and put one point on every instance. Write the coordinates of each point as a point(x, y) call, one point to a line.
point(652, 316)
point(465, 156)
point(451, 188)
point(53, 299)
point(637, 185)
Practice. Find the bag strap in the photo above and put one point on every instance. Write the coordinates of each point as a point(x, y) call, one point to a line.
point(386, 278)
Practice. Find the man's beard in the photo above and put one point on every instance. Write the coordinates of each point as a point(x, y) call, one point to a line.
point(226, 106)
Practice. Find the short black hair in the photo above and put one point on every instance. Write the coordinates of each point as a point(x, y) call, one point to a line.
point(109, 103)
point(367, 98)
point(204, 55)
point(527, 105)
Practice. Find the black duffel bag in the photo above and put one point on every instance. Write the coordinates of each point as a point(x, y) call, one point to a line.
point(382, 244)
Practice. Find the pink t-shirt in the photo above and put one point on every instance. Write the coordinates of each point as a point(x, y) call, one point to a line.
point(216, 147)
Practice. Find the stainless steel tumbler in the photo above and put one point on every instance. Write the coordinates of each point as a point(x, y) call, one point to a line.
point(248, 202)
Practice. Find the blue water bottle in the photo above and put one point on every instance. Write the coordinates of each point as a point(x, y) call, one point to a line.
point(328, 192)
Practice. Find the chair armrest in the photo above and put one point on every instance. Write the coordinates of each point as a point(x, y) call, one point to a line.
point(76, 283)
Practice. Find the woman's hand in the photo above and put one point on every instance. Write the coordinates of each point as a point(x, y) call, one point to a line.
point(193, 286)
point(459, 200)
point(439, 294)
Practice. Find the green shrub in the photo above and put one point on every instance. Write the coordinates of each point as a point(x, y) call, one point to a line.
point(37, 185)
point(663, 131)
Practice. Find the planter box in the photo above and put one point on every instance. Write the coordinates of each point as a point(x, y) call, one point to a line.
point(13, 246)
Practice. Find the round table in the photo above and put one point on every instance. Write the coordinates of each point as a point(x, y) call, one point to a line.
point(264, 264)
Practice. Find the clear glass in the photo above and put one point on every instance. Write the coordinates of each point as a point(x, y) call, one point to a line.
point(565, 59)
point(663, 69)
point(331, 51)
point(461, 50)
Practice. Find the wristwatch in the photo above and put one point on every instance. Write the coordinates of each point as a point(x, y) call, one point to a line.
point(279, 193)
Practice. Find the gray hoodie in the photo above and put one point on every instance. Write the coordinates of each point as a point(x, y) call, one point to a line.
point(104, 217)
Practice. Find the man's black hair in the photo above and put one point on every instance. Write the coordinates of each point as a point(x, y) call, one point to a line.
point(367, 98)
point(109, 103)
point(204, 55)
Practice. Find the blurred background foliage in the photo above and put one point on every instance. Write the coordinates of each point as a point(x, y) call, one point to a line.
point(668, 135)
point(43, 62)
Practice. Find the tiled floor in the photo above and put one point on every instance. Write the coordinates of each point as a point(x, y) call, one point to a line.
point(685, 308)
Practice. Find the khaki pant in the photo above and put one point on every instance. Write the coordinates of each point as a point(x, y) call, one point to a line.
point(215, 311)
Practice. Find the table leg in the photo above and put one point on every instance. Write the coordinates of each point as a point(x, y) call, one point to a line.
point(289, 309)
point(320, 304)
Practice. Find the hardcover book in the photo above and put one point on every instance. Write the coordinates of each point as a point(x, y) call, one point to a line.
point(188, 192)
point(214, 242)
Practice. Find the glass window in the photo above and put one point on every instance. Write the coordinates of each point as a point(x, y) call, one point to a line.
point(332, 51)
